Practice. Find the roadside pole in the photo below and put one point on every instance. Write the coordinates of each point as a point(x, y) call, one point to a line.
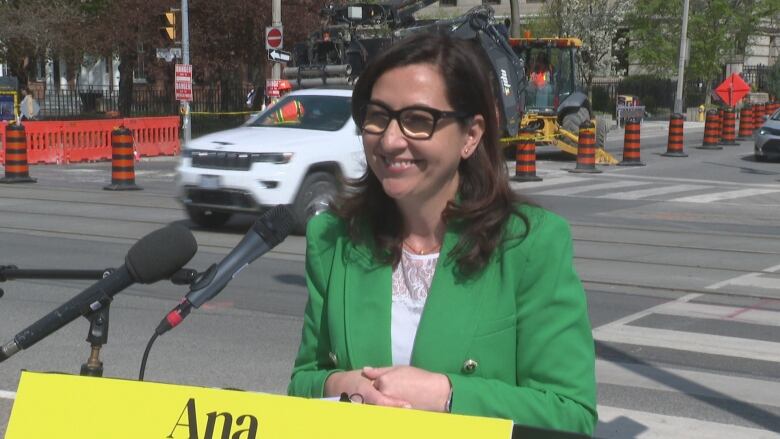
point(185, 48)
point(276, 20)
point(678, 97)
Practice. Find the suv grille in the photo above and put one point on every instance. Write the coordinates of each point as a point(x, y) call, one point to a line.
point(239, 161)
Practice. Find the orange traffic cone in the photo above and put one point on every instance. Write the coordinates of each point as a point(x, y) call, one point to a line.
point(17, 170)
point(122, 163)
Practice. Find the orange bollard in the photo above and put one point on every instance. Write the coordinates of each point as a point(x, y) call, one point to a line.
point(711, 131)
point(122, 165)
point(721, 117)
point(674, 148)
point(586, 150)
point(17, 170)
point(525, 161)
point(746, 123)
point(758, 116)
point(631, 144)
point(729, 128)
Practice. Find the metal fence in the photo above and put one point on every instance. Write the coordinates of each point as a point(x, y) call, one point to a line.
point(86, 102)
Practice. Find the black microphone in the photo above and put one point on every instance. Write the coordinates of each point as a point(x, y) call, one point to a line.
point(154, 257)
point(266, 233)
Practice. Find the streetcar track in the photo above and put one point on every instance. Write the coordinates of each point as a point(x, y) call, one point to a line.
point(583, 258)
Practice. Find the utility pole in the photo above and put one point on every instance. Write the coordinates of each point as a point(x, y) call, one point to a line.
point(678, 97)
point(185, 48)
point(276, 14)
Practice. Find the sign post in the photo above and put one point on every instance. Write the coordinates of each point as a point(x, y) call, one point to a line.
point(183, 82)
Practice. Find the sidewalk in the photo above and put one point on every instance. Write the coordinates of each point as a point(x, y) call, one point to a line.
point(653, 128)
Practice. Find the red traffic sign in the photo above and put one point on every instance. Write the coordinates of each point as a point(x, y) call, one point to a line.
point(183, 82)
point(273, 37)
point(732, 89)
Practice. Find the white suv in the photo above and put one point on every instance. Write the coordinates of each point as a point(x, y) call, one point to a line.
point(296, 153)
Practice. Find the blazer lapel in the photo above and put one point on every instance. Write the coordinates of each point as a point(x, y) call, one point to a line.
point(451, 313)
point(368, 301)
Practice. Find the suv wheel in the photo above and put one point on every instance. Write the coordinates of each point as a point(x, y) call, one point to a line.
point(317, 192)
point(207, 218)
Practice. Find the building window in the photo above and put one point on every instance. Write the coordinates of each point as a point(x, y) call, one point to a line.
point(491, 2)
point(535, 1)
point(448, 2)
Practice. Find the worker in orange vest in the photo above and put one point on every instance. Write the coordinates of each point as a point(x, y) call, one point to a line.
point(540, 78)
point(289, 112)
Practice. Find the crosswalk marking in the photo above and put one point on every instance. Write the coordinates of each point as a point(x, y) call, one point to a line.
point(644, 193)
point(546, 182)
point(689, 382)
point(645, 425)
point(5, 394)
point(592, 187)
point(688, 341)
point(728, 195)
point(730, 313)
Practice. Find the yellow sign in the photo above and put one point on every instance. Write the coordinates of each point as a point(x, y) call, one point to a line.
point(68, 406)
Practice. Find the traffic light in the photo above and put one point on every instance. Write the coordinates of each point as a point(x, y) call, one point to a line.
point(169, 25)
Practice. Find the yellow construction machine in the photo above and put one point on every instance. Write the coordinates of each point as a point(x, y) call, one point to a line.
point(554, 102)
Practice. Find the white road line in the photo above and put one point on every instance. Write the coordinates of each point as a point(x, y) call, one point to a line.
point(645, 312)
point(728, 195)
point(690, 382)
point(690, 341)
point(591, 187)
point(728, 313)
point(618, 423)
point(755, 280)
point(546, 182)
point(686, 180)
point(5, 394)
point(643, 193)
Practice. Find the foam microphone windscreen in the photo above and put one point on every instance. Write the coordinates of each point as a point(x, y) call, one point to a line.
point(161, 253)
point(275, 225)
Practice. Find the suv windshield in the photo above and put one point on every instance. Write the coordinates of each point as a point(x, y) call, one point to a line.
point(309, 112)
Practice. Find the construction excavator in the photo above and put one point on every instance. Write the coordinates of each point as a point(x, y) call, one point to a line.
point(550, 113)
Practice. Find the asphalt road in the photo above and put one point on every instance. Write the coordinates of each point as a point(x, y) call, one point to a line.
point(680, 258)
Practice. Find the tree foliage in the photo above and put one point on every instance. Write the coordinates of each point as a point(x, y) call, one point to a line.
point(226, 37)
point(596, 23)
point(719, 31)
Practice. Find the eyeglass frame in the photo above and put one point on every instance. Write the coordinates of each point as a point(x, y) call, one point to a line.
point(436, 114)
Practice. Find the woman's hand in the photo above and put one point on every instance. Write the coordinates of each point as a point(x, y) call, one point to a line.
point(353, 382)
point(422, 389)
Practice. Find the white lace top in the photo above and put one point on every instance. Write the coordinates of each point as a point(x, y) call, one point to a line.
point(411, 282)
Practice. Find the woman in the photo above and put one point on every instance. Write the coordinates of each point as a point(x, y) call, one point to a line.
point(432, 287)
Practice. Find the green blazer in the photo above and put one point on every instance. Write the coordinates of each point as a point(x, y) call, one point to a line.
point(515, 340)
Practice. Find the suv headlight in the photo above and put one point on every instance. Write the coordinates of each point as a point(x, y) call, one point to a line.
point(763, 131)
point(278, 158)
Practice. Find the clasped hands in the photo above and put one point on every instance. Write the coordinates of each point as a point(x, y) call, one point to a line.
point(396, 386)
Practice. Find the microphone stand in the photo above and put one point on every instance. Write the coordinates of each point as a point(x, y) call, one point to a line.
point(97, 336)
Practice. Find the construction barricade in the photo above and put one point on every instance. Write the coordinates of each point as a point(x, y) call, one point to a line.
point(675, 145)
point(586, 150)
point(758, 115)
point(90, 140)
point(745, 123)
point(122, 161)
point(729, 128)
point(631, 144)
point(16, 164)
point(525, 161)
point(711, 131)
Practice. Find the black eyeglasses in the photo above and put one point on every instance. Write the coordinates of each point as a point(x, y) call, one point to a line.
point(416, 122)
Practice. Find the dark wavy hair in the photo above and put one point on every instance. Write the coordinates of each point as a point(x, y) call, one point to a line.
point(485, 201)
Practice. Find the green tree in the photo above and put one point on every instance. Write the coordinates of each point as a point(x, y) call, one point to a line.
point(718, 32)
point(596, 23)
